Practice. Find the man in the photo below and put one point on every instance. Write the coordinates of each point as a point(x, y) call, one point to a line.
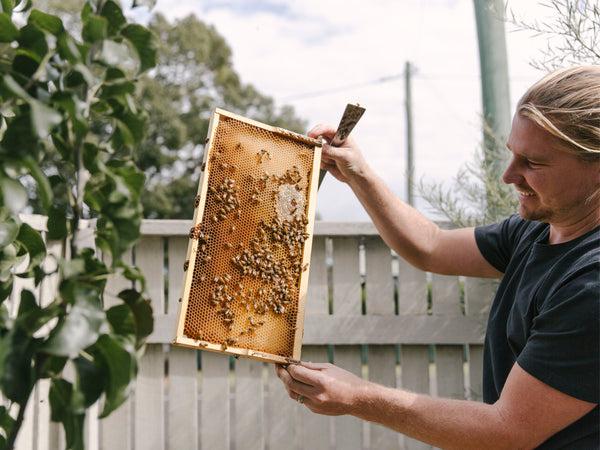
point(541, 360)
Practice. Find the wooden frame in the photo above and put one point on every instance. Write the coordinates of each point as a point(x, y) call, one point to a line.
point(246, 272)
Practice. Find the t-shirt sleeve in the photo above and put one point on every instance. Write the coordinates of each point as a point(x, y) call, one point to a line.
point(496, 241)
point(562, 350)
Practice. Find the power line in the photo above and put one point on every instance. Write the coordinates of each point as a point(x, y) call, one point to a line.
point(348, 87)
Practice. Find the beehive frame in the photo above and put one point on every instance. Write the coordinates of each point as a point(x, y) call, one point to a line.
point(246, 272)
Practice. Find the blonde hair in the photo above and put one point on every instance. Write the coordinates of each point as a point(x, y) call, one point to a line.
point(566, 103)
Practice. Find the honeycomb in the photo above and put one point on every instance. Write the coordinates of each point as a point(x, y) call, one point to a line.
point(246, 271)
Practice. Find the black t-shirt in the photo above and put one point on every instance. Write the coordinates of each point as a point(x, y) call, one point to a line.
point(545, 317)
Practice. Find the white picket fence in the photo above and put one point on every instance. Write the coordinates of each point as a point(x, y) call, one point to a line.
point(366, 311)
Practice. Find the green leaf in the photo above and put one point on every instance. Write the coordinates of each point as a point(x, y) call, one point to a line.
point(64, 408)
point(43, 118)
point(46, 22)
point(52, 366)
point(122, 323)
point(60, 395)
point(114, 16)
point(94, 29)
point(6, 421)
point(57, 223)
point(16, 369)
point(8, 31)
point(113, 53)
point(14, 196)
point(81, 326)
point(43, 184)
point(7, 6)
point(120, 368)
point(145, 44)
point(31, 317)
point(142, 313)
point(9, 231)
point(33, 242)
point(90, 381)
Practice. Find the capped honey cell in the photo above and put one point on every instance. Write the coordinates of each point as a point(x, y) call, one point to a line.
point(244, 290)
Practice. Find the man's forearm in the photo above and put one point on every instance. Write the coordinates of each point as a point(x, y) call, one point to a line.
point(404, 229)
point(444, 423)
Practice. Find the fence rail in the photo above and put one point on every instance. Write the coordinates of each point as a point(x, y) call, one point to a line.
point(366, 311)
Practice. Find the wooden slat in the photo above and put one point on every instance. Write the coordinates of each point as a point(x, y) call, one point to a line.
point(116, 429)
point(379, 281)
point(282, 415)
point(154, 227)
point(348, 430)
point(215, 409)
point(115, 284)
point(149, 254)
point(182, 433)
point(449, 370)
point(177, 252)
point(412, 290)
point(475, 373)
point(414, 362)
point(382, 370)
point(317, 299)
point(393, 329)
point(346, 277)
point(149, 400)
point(369, 329)
point(479, 294)
point(315, 427)
point(445, 293)
point(249, 404)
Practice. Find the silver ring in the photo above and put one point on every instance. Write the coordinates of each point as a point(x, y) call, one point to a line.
point(300, 399)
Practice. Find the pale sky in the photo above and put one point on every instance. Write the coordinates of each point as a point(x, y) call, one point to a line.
point(319, 55)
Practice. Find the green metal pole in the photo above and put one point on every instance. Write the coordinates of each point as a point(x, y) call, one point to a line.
point(489, 16)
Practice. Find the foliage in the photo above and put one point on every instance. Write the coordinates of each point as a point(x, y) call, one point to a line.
point(68, 127)
point(477, 197)
point(573, 36)
point(194, 75)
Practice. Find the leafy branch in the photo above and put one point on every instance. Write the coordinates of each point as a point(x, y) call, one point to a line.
point(573, 33)
point(69, 124)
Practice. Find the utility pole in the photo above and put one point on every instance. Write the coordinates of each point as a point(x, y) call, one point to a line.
point(410, 165)
point(489, 16)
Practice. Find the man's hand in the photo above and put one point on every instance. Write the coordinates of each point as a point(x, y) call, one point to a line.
point(344, 162)
point(325, 388)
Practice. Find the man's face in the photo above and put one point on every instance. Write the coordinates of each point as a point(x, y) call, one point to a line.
point(552, 184)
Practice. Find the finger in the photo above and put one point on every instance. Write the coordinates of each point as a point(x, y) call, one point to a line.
point(306, 373)
point(327, 131)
